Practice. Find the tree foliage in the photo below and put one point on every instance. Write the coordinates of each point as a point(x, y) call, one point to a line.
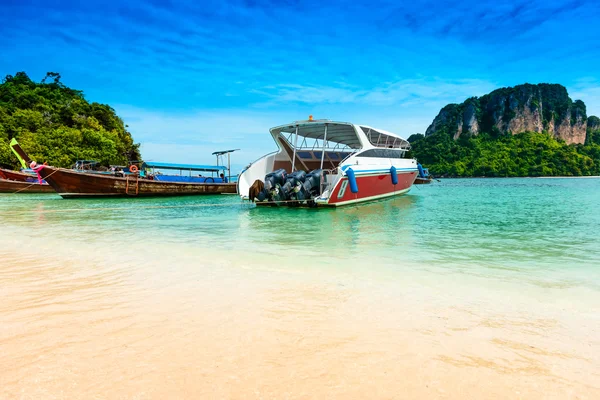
point(523, 154)
point(58, 125)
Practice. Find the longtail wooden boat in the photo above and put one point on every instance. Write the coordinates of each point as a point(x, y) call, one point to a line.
point(424, 177)
point(10, 186)
point(15, 176)
point(71, 184)
point(19, 182)
point(422, 181)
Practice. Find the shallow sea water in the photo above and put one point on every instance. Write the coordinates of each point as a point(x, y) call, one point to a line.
point(466, 288)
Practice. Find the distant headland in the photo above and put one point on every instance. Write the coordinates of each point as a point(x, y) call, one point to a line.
point(525, 130)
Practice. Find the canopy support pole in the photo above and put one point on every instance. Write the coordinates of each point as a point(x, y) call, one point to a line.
point(323, 150)
point(294, 156)
point(229, 167)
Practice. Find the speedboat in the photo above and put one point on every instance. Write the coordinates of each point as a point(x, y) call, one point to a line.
point(329, 163)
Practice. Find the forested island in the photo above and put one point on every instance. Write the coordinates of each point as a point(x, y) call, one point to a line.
point(526, 130)
point(56, 124)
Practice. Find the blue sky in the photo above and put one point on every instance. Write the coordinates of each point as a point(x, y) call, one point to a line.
point(191, 77)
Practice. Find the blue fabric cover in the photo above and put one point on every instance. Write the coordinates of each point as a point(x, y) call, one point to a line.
point(189, 179)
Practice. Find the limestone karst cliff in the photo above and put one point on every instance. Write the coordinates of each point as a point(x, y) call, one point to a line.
point(522, 108)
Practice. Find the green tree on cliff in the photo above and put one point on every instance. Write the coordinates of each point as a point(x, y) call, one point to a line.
point(523, 154)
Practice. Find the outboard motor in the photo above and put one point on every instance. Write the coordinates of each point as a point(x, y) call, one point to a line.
point(273, 182)
point(275, 178)
point(293, 183)
point(277, 194)
point(262, 195)
point(311, 186)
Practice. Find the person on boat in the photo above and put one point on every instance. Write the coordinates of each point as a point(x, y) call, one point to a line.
point(223, 178)
point(37, 170)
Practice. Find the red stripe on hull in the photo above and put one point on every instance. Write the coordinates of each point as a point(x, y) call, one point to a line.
point(372, 186)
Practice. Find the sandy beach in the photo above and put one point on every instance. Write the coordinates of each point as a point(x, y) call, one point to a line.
point(199, 324)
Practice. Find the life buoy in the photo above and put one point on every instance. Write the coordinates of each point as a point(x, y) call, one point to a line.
point(133, 169)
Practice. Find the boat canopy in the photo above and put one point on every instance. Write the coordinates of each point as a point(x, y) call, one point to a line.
point(342, 133)
point(187, 167)
point(222, 152)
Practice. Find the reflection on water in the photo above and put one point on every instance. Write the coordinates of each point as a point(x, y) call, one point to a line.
point(467, 288)
point(372, 227)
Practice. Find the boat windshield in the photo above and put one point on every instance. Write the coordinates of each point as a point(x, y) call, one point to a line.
point(379, 138)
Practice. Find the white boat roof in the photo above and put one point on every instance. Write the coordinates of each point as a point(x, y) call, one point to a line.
point(339, 132)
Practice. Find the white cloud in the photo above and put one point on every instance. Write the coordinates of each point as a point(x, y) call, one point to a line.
point(207, 126)
point(199, 154)
point(424, 92)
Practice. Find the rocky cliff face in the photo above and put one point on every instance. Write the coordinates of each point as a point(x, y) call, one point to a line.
point(593, 130)
point(534, 108)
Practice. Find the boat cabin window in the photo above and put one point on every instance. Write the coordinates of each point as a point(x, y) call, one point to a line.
point(382, 153)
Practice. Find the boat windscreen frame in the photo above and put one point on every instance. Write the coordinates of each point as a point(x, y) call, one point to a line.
point(381, 139)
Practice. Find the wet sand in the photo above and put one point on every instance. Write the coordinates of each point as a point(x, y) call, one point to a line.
point(143, 323)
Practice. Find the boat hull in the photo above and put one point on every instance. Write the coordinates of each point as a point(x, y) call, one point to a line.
point(70, 184)
point(8, 186)
point(370, 187)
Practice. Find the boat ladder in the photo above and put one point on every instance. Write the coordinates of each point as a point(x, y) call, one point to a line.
point(137, 188)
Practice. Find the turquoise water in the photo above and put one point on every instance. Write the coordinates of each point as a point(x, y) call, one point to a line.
point(543, 231)
point(478, 288)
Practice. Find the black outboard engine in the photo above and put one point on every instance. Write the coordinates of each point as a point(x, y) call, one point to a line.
point(275, 178)
point(277, 194)
point(293, 183)
point(311, 186)
point(273, 183)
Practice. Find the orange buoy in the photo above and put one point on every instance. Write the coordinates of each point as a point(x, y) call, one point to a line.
point(133, 169)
